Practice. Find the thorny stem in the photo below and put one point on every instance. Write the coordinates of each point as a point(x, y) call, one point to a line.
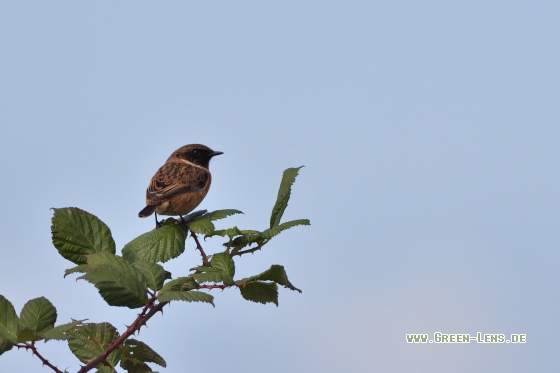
point(31, 346)
point(199, 248)
point(148, 311)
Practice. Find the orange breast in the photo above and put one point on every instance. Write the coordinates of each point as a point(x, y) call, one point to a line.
point(182, 204)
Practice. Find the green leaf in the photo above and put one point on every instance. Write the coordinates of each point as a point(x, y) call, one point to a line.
point(60, 332)
point(38, 315)
point(137, 351)
point(158, 245)
point(154, 274)
point(284, 192)
point(76, 233)
point(203, 223)
point(202, 226)
point(207, 274)
point(82, 268)
point(220, 214)
point(275, 273)
point(223, 262)
point(9, 322)
point(5, 345)
point(119, 283)
point(194, 215)
point(180, 284)
point(115, 290)
point(260, 292)
point(269, 233)
point(89, 340)
point(188, 296)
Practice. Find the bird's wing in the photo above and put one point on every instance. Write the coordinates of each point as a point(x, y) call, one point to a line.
point(175, 178)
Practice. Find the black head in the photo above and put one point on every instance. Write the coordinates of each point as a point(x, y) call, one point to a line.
point(195, 153)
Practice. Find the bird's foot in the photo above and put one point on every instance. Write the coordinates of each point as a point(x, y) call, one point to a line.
point(159, 223)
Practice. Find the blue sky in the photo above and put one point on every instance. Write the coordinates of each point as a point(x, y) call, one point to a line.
point(429, 132)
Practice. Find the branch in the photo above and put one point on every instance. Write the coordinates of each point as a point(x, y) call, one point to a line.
point(146, 314)
point(31, 346)
point(199, 247)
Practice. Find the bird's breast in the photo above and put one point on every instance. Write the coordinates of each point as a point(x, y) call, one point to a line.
point(182, 204)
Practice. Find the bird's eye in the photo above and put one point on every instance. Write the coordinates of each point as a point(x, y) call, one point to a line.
point(195, 152)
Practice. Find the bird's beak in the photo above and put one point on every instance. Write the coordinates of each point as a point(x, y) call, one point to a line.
point(215, 153)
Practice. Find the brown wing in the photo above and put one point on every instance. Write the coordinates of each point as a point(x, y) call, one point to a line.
point(175, 178)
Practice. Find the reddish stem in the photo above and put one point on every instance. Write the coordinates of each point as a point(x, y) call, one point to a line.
point(199, 248)
point(31, 346)
point(148, 311)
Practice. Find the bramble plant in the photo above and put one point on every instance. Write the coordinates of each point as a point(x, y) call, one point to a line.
point(136, 280)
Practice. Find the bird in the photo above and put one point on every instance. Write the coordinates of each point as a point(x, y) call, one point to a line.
point(181, 183)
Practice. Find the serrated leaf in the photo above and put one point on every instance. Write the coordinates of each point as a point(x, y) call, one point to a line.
point(137, 351)
point(119, 283)
point(269, 233)
point(202, 226)
point(179, 284)
point(116, 290)
point(89, 340)
point(223, 262)
point(288, 179)
point(260, 292)
point(9, 322)
point(221, 214)
point(208, 274)
point(249, 232)
point(154, 274)
point(194, 215)
point(187, 296)
point(275, 273)
point(60, 332)
point(158, 245)
point(76, 233)
point(38, 315)
point(82, 268)
point(5, 345)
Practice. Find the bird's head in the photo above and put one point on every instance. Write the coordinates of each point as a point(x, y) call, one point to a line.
point(195, 153)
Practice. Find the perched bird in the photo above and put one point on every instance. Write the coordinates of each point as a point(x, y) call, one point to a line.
point(181, 183)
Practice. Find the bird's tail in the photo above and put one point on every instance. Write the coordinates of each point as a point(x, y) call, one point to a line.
point(147, 211)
